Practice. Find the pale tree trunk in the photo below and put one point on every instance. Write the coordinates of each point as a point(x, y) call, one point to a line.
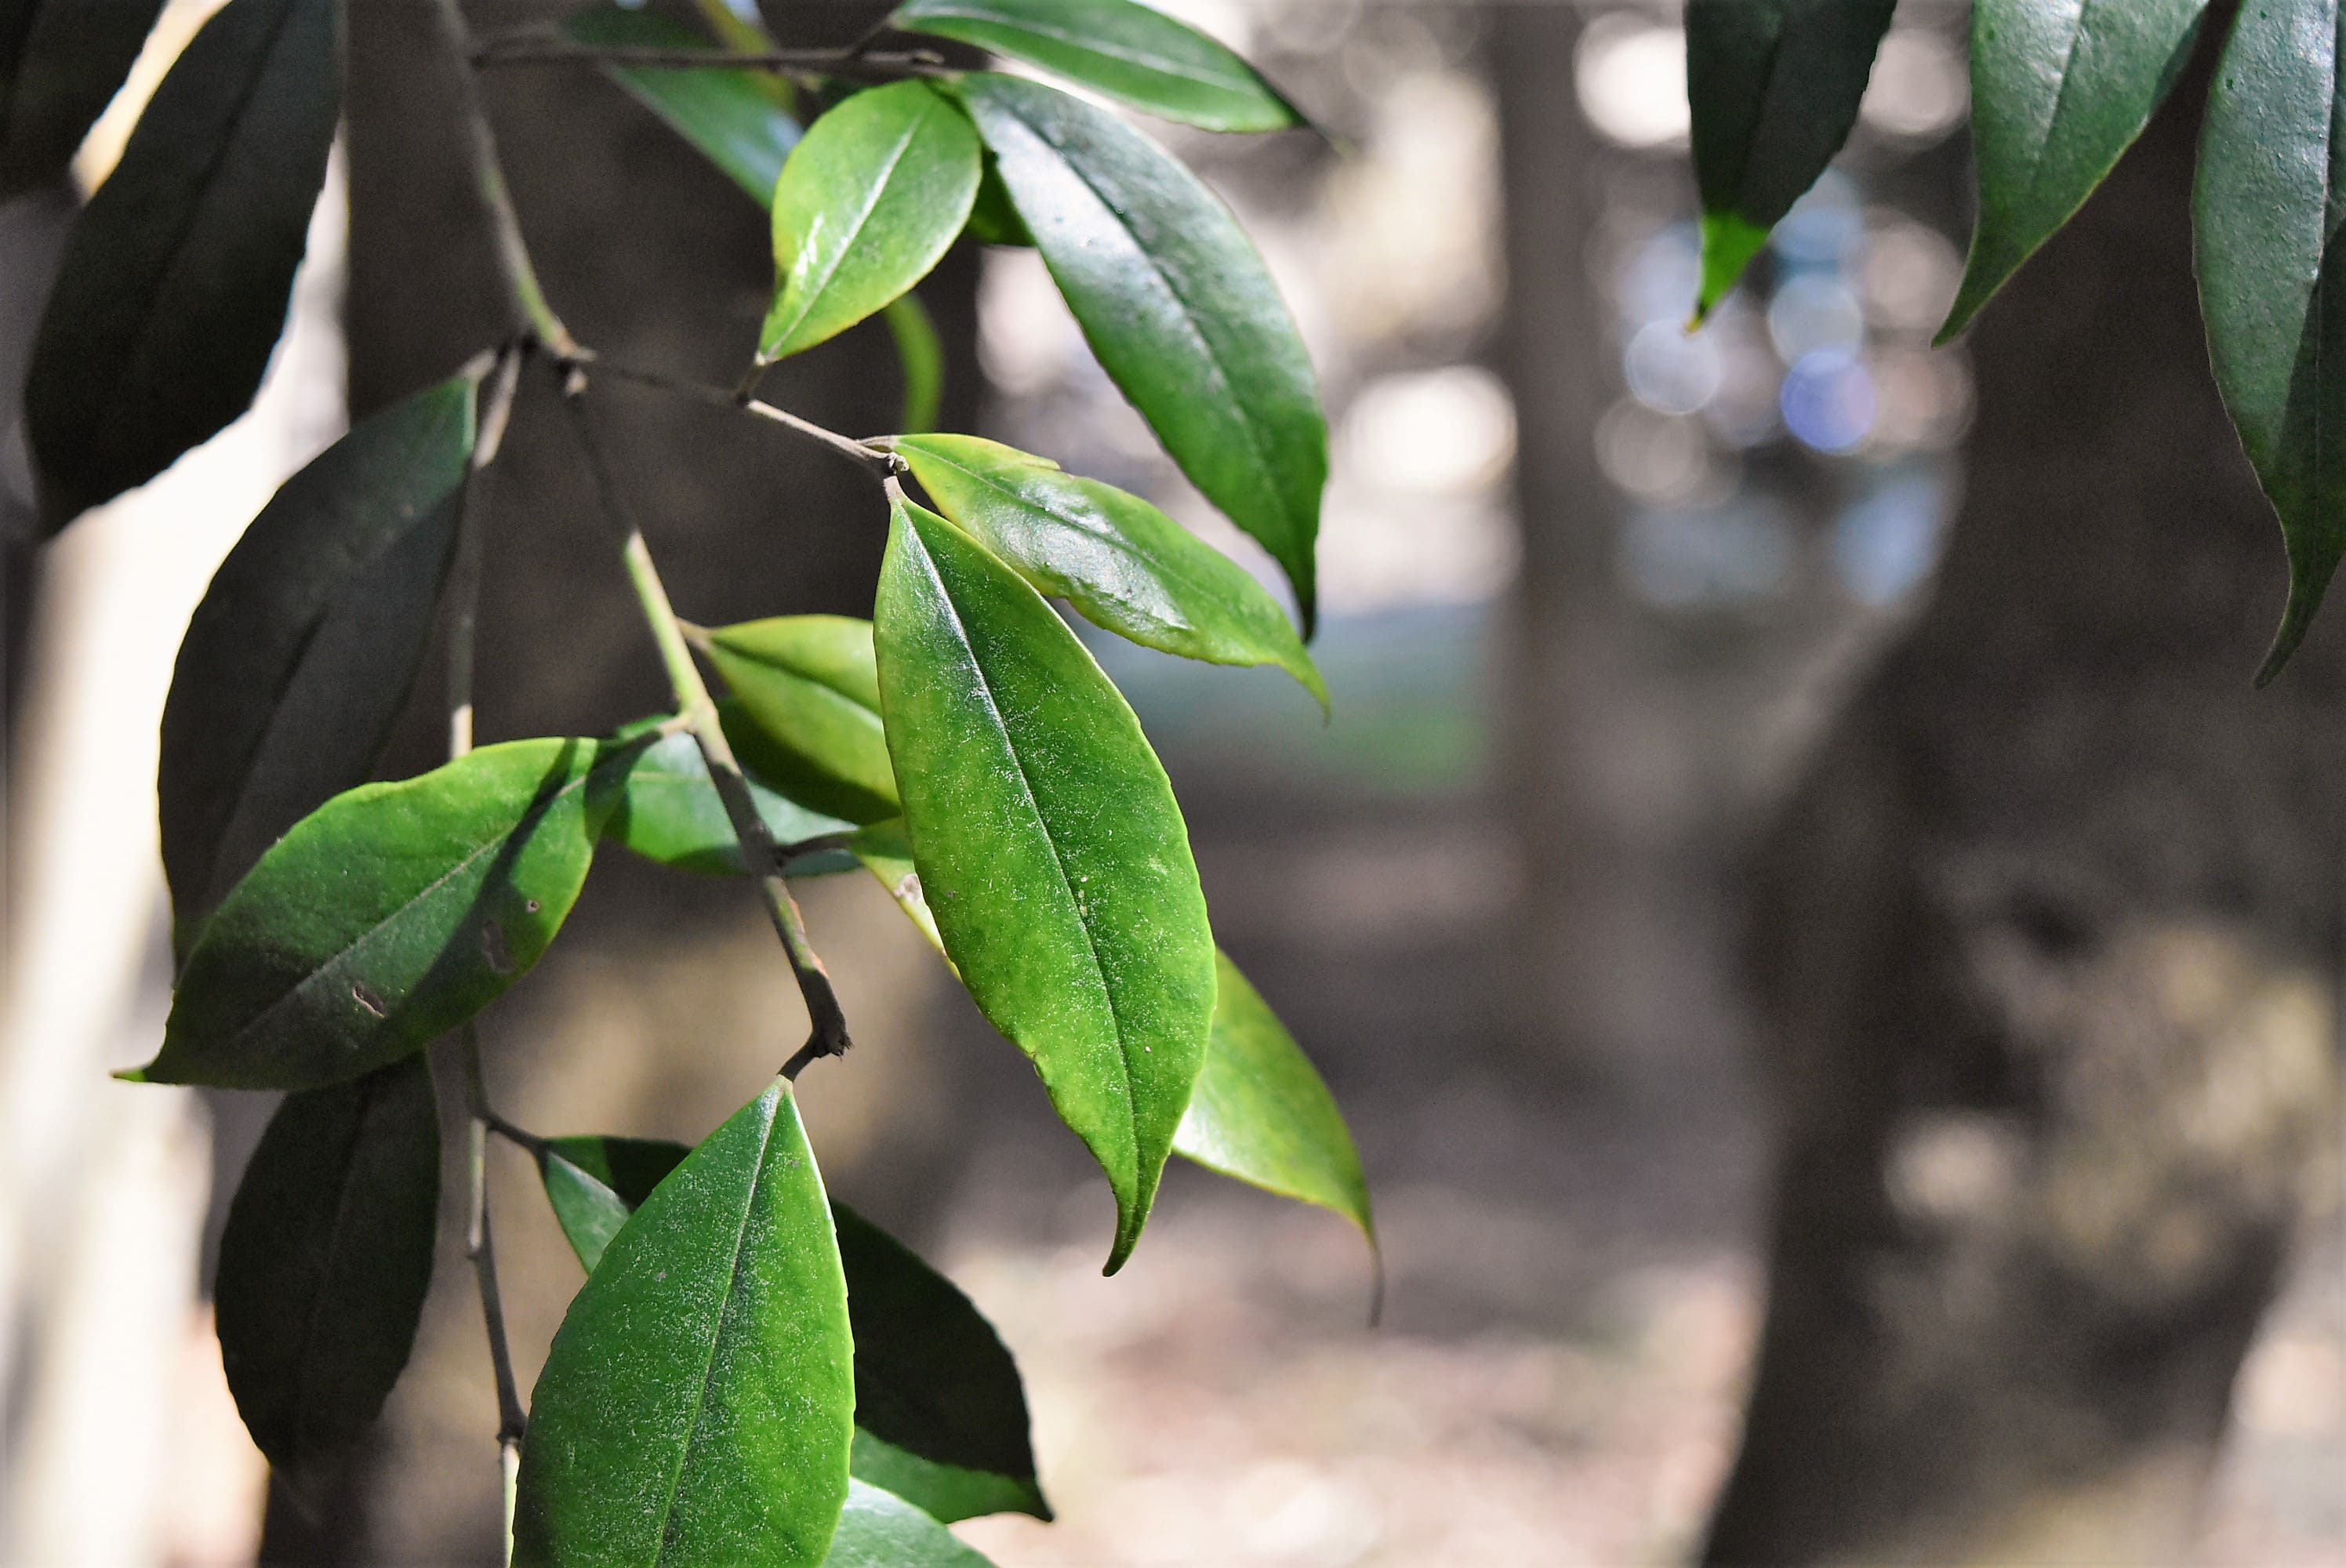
point(2047, 944)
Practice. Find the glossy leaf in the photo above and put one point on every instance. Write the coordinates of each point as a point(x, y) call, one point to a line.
point(61, 62)
point(1262, 1113)
point(698, 1405)
point(173, 288)
point(1175, 304)
point(880, 1530)
point(390, 914)
point(1049, 846)
point(930, 1372)
point(1124, 565)
point(668, 810)
point(940, 1411)
point(2272, 279)
point(870, 200)
point(1774, 86)
point(921, 358)
point(325, 1259)
point(595, 1183)
point(300, 657)
point(1126, 51)
point(808, 685)
point(731, 117)
point(2057, 92)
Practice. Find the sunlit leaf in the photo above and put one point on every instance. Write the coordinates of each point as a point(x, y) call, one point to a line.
point(870, 199)
point(880, 1530)
point(809, 686)
point(1127, 51)
point(1774, 86)
point(930, 1372)
point(698, 1405)
point(389, 915)
point(300, 657)
point(173, 288)
point(1049, 846)
point(1121, 562)
point(2057, 92)
point(1262, 1113)
point(325, 1259)
point(1177, 306)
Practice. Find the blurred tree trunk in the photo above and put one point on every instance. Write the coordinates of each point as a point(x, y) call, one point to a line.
point(2048, 944)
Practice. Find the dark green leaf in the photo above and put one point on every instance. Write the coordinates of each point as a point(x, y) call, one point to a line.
point(2272, 279)
point(1261, 1112)
point(595, 1183)
point(61, 62)
point(173, 287)
point(808, 685)
point(930, 1372)
point(300, 657)
point(2057, 92)
point(868, 202)
point(1126, 51)
point(993, 218)
point(922, 356)
point(1179, 309)
point(668, 810)
point(731, 117)
point(936, 1393)
point(390, 914)
point(1774, 86)
point(326, 1258)
point(1050, 847)
point(880, 1530)
point(698, 1405)
point(1124, 565)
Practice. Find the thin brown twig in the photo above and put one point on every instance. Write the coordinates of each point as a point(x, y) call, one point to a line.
point(536, 48)
point(828, 1033)
point(862, 451)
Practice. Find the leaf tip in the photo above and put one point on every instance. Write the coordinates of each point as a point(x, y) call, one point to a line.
point(134, 1075)
point(1729, 241)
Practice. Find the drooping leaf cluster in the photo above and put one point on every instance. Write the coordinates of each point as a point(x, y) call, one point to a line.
point(2059, 90)
point(751, 1373)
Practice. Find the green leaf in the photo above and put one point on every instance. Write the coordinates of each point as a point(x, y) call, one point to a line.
point(922, 356)
point(885, 851)
point(173, 287)
point(930, 1371)
point(1129, 52)
point(1049, 846)
point(61, 62)
point(300, 657)
point(880, 1530)
point(808, 685)
point(669, 811)
point(1177, 306)
point(595, 1183)
point(869, 202)
point(389, 915)
point(729, 116)
point(2057, 92)
point(994, 217)
point(935, 1390)
point(698, 1405)
point(325, 1259)
point(1127, 566)
point(2272, 279)
point(1262, 1113)
point(1774, 86)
